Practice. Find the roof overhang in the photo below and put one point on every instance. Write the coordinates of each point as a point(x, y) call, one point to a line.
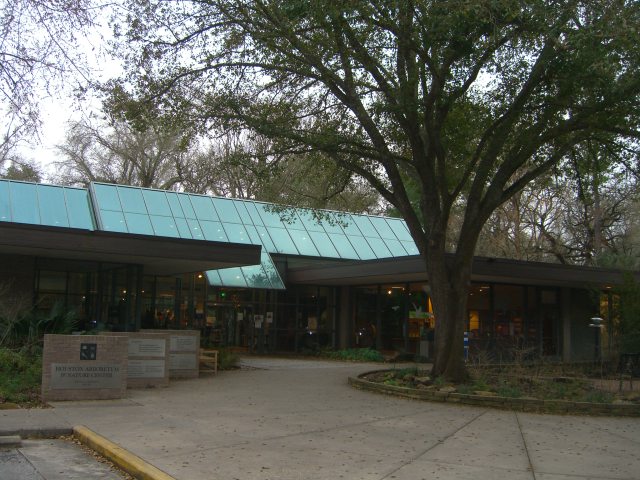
point(484, 269)
point(158, 255)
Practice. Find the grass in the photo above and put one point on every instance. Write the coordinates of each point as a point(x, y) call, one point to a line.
point(20, 377)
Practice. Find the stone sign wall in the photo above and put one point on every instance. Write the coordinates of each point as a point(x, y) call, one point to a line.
point(184, 352)
point(148, 359)
point(84, 367)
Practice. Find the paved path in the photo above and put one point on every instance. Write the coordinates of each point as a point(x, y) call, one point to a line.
point(297, 419)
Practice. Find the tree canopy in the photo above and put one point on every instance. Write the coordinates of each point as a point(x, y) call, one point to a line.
point(464, 102)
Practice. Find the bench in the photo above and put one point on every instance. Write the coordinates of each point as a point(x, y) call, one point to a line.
point(209, 361)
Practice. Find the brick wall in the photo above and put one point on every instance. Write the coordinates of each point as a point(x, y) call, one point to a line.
point(65, 376)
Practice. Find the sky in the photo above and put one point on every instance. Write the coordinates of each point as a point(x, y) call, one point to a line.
point(59, 109)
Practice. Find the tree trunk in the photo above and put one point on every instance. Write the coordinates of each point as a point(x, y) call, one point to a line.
point(449, 282)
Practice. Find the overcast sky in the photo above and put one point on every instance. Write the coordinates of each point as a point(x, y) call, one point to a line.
point(58, 110)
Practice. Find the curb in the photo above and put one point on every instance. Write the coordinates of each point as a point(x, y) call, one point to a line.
point(504, 403)
point(127, 461)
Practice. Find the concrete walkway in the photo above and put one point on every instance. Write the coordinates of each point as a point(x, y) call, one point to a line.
point(297, 419)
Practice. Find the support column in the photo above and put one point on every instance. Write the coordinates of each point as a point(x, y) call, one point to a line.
point(345, 318)
point(565, 312)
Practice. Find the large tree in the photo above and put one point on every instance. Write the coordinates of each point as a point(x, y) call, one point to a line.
point(39, 57)
point(467, 101)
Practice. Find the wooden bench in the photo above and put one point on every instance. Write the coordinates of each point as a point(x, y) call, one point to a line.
point(209, 361)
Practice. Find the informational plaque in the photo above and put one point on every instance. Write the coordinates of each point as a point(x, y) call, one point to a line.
point(85, 376)
point(183, 343)
point(147, 347)
point(145, 369)
point(183, 361)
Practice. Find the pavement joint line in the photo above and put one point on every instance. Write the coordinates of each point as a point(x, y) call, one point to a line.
point(440, 441)
point(308, 432)
point(524, 443)
point(127, 461)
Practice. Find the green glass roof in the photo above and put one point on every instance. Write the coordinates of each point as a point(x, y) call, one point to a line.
point(279, 230)
point(49, 205)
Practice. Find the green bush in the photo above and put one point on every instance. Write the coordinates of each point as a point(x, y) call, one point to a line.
point(25, 329)
point(356, 355)
point(227, 359)
point(20, 376)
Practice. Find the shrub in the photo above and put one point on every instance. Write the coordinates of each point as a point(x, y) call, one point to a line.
point(356, 355)
point(227, 359)
point(20, 376)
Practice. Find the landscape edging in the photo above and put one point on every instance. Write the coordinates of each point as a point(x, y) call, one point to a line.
point(530, 405)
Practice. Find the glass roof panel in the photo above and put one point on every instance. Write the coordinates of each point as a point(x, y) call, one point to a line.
point(271, 271)
point(282, 241)
point(237, 232)
point(232, 277)
point(411, 248)
point(156, 202)
point(187, 207)
point(400, 229)
point(131, 199)
point(348, 224)
point(343, 246)
point(174, 205)
point(270, 217)
point(107, 197)
point(78, 208)
point(278, 216)
point(382, 227)
point(113, 221)
point(213, 277)
point(253, 213)
point(53, 210)
point(256, 277)
point(260, 236)
point(365, 226)
point(203, 208)
point(313, 223)
point(213, 231)
point(303, 242)
point(379, 248)
point(196, 231)
point(396, 248)
point(362, 247)
point(264, 275)
point(24, 202)
point(324, 245)
point(183, 227)
point(333, 223)
point(241, 207)
point(165, 226)
point(137, 223)
point(5, 205)
point(226, 210)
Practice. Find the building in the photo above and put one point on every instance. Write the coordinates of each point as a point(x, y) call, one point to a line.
point(265, 278)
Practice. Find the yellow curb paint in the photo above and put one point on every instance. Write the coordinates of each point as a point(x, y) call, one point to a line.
point(127, 461)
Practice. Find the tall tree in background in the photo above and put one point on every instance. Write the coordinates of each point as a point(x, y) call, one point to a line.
point(471, 101)
point(583, 212)
point(38, 55)
point(119, 153)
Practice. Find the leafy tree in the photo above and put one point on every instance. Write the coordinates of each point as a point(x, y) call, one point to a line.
point(18, 168)
point(466, 101)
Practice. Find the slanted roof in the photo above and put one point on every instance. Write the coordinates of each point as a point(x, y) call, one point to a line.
point(58, 222)
point(279, 230)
